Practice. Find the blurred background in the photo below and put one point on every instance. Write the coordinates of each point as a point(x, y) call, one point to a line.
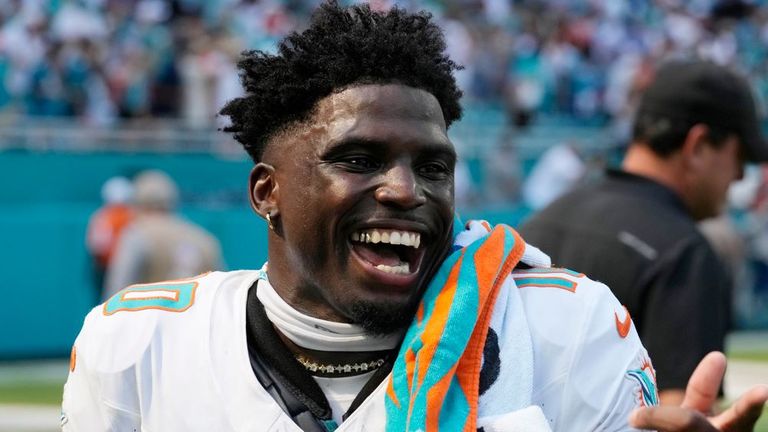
point(91, 90)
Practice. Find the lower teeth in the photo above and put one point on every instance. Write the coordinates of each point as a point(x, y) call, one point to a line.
point(398, 269)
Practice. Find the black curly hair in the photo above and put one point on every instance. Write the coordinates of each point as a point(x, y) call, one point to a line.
point(342, 47)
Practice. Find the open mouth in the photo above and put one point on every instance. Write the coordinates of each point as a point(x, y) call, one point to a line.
point(396, 252)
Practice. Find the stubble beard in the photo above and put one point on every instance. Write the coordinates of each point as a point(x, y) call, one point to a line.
point(383, 319)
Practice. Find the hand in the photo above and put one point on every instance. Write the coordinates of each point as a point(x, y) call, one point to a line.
point(700, 396)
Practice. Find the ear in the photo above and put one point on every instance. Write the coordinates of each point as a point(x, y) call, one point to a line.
point(264, 192)
point(695, 145)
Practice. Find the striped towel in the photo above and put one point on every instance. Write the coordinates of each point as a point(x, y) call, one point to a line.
point(435, 379)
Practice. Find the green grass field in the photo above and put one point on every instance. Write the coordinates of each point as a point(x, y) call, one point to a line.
point(31, 393)
point(760, 356)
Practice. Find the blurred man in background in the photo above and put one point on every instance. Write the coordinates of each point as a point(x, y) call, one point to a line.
point(105, 227)
point(636, 230)
point(159, 245)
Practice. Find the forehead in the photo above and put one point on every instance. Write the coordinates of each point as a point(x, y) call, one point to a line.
point(388, 113)
point(383, 100)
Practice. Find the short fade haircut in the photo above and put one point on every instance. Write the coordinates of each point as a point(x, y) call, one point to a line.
point(341, 48)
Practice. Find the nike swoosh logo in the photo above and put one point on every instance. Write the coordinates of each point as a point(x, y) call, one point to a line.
point(623, 326)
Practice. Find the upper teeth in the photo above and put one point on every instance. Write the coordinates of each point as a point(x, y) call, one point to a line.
point(405, 238)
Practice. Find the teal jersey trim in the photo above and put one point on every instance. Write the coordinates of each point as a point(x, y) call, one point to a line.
point(549, 271)
point(554, 282)
point(172, 297)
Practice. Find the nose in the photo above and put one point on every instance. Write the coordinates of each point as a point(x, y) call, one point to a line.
point(399, 187)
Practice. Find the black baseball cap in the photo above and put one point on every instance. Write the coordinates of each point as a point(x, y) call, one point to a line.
point(697, 91)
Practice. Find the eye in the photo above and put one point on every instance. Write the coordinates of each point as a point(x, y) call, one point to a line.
point(359, 163)
point(436, 170)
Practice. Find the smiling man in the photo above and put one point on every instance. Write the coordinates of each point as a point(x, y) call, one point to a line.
point(375, 312)
point(367, 186)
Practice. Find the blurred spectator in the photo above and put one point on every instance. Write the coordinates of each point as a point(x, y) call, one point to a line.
point(106, 226)
point(503, 171)
point(733, 235)
point(159, 245)
point(556, 172)
point(209, 77)
point(753, 194)
point(729, 245)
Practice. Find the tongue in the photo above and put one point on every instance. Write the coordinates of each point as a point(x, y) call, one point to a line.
point(376, 255)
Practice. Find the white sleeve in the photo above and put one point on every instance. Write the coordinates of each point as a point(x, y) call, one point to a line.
point(611, 373)
point(84, 406)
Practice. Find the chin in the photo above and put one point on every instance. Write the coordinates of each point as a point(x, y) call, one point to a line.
point(383, 318)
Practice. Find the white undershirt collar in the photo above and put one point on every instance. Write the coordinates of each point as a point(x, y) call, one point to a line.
point(314, 333)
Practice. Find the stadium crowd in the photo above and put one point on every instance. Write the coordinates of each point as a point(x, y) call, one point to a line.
point(102, 60)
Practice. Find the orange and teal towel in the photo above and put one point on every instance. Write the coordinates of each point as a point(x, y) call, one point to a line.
point(435, 380)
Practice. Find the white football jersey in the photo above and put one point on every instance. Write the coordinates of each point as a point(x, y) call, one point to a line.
point(173, 356)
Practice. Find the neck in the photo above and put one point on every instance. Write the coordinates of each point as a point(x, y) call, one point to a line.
point(318, 334)
point(641, 160)
point(286, 280)
point(320, 340)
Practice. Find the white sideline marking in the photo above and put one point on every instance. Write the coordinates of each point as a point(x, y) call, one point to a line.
point(29, 418)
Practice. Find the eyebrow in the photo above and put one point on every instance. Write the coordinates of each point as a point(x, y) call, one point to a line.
point(350, 143)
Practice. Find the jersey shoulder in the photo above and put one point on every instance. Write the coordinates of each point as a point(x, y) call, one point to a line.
point(116, 333)
point(569, 307)
point(559, 285)
point(591, 367)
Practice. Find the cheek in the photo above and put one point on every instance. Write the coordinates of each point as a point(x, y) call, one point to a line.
point(338, 186)
point(728, 173)
point(339, 191)
point(325, 201)
point(443, 197)
point(732, 163)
